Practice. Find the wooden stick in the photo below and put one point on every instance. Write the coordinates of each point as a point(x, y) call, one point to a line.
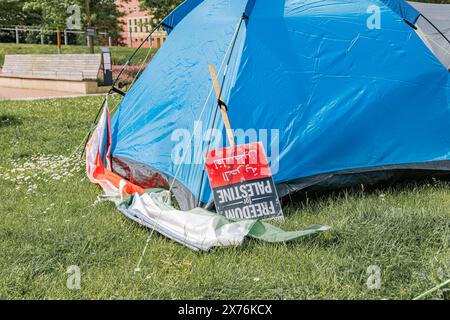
point(223, 110)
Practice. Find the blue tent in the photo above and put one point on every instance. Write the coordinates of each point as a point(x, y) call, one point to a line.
point(342, 103)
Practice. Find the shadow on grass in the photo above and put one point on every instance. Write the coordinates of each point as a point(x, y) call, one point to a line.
point(313, 196)
point(9, 121)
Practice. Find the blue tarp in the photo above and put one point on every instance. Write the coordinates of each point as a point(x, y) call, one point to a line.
point(403, 9)
point(343, 96)
point(179, 13)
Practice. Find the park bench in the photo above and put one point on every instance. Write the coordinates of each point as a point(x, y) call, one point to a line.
point(77, 73)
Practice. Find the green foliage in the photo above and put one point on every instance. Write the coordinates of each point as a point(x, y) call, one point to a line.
point(11, 12)
point(45, 229)
point(160, 8)
point(53, 14)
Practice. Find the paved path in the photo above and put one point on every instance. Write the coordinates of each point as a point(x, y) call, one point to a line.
point(31, 94)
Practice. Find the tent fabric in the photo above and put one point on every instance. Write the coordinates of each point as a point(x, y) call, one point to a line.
point(178, 14)
point(438, 14)
point(408, 11)
point(403, 9)
point(197, 229)
point(342, 96)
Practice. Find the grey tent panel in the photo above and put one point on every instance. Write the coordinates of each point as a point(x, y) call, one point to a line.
point(438, 14)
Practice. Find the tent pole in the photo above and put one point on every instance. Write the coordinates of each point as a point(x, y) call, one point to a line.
point(436, 28)
point(117, 79)
point(233, 44)
point(223, 108)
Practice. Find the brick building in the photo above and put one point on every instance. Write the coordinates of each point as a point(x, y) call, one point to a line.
point(137, 25)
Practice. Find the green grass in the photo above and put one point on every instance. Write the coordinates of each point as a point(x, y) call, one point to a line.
point(119, 54)
point(47, 226)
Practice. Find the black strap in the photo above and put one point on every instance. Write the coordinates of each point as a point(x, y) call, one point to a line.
point(165, 25)
point(222, 104)
point(114, 89)
point(410, 24)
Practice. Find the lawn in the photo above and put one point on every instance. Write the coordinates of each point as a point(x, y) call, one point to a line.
point(119, 54)
point(51, 219)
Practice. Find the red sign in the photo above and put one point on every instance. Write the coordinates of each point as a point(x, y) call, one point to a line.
point(242, 182)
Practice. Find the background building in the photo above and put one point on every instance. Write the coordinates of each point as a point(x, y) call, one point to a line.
point(137, 25)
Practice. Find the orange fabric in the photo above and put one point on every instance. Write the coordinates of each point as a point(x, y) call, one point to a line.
point(96, 170)
point(102, 174)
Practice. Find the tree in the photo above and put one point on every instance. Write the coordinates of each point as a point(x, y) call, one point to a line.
point(105, 17)
point(12, 14)
point(160, 8)
point(102, 14)
point(53, 12)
